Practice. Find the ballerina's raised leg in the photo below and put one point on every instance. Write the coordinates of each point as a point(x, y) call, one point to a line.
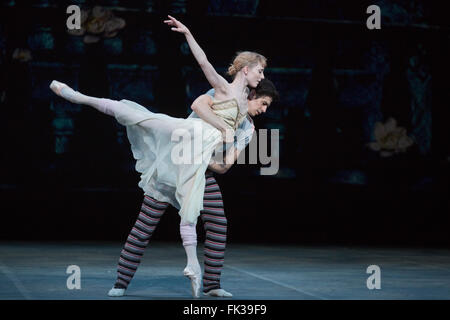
point(107, 106)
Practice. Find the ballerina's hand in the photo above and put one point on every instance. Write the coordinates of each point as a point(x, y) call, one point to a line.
point(177, 25)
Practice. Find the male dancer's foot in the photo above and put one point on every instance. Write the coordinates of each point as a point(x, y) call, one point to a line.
point(116, 292)
point(218, 293)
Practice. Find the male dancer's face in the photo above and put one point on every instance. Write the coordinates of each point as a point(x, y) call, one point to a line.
point(259, 105)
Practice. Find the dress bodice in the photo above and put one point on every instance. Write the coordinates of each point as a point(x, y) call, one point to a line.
point(229, 111)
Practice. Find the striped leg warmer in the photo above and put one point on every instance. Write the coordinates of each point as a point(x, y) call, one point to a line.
point(215, 224)
point(137, 241)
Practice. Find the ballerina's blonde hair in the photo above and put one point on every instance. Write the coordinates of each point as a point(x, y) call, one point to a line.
point(245, 58)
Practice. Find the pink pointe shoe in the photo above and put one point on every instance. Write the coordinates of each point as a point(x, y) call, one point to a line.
point(57, 86)
point(196, 278)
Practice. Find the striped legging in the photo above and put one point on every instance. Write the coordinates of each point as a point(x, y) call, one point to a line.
point(214, 222)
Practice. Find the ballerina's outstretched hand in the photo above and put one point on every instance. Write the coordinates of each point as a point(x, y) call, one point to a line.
point(177, 25)
point(214, 79)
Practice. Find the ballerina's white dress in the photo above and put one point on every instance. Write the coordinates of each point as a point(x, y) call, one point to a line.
point(167, 174)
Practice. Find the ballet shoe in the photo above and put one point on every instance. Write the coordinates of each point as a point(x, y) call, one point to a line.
point(196, 280)
point(66, 92)
point(116, 292)
point(218, 293)
point(57, 86)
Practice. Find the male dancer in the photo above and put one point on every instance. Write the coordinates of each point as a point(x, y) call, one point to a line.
point(213, 216)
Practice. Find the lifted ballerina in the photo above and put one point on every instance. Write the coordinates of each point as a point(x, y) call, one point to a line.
point(163, 180)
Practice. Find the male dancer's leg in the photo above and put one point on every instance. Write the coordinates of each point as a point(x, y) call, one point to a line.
point(138, 239)
point(215, 224)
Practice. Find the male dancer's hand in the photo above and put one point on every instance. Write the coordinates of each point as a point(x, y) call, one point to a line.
point(177, 25)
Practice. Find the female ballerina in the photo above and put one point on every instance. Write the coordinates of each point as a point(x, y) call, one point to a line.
point(151, 135)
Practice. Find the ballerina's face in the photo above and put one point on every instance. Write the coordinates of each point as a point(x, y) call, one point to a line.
point(259, 105)
point(254, 74)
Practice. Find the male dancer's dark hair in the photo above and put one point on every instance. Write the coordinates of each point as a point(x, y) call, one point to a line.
point(266, 88)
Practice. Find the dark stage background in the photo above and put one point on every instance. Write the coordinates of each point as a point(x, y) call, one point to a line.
point(67, 172)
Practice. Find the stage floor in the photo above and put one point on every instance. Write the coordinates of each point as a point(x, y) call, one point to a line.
point(38, 271)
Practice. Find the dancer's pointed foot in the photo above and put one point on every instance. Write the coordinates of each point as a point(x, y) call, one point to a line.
point(57, 86)
point(218, 293)
point(194, 273)
point(116, 292)
point(66, 92)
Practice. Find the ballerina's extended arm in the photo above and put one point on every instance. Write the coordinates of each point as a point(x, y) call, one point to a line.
point(214, 79)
